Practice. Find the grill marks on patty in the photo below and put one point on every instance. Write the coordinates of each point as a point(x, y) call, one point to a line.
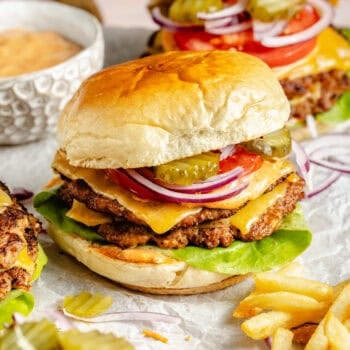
point(315, 93)
point(18, 230)
point(209, 228)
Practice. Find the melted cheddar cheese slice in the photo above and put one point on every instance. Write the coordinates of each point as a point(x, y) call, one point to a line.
point(25, 262)
point(79, 212)
point(332, 51)
point(5, 200)
point(161, 217)
point(245, 218)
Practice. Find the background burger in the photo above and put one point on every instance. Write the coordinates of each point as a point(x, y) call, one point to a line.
point(294, 37)
point(174, 173)
point(21, 257)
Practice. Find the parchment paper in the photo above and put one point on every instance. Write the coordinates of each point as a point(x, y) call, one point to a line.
point(206, 319)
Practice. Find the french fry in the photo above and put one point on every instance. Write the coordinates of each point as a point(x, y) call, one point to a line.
point(347, 324)
point(273, 282)
point(340, 309)
point(337, 334)
point(244, 310)
point(282, 339)
point(338, 288)
point(292, 269)
point(283, 301)
point(265, 324)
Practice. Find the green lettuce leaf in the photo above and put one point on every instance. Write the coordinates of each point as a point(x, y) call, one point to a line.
point(339, 113)
point(17, 301)
point(281, 247)
point(52, 209)
point(345, 33)
point(240, 257)
point(41, 261)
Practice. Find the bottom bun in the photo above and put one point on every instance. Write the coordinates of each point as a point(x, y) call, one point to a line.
point(144, 269)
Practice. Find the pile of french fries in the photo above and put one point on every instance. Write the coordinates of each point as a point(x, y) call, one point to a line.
point(287, 307)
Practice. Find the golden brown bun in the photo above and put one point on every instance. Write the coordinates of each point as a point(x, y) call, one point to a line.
point(170, 106)
point(142, 269)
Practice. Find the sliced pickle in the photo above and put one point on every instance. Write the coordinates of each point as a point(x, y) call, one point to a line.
point(271, 10)
point(276, 144)
point(187, 10)
point(31, 335)
point(189, 170)
point(75, 340)
point(86, 304)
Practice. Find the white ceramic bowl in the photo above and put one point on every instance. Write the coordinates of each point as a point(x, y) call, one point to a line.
point(30, 103)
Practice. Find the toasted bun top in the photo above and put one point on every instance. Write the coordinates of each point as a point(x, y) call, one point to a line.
point(170, 106)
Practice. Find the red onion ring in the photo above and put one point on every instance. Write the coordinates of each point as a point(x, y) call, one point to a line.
point(325, 20)
point(215, 23)
point(226, 12)
point(172, 196)
point(171, 25)
point(234, 28)
point(127, 316)
point(302, 161)
point(226, 151)
point(211, 184)
point(331, 151)
point(267, 29)
point(324, 185)
point(22, 194)
point(268, 342)
point(325, 157)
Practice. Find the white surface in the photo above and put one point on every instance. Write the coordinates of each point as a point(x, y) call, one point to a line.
point(206, 318)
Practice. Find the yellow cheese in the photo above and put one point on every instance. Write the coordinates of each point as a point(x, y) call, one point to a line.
point(79, 212)
point(24, 261)
point(332, 51)
point(161, 217)
point(250, 213)
point(5, 200)
point(260, 181)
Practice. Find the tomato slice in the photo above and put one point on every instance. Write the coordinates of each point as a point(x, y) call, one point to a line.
point(243, 41)
point(123, 180)
point(305, 18)
point(241, 157)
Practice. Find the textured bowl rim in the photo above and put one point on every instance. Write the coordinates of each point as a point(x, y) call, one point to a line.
point(93, 20)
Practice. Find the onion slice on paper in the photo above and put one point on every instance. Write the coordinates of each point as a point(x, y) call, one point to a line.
point(331, 151)
point(127, 316)
point(302, 161)
point(334, 177)
point(326, 15)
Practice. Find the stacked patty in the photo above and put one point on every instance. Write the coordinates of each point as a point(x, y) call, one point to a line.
point(209, 228)
point(18, 244)
point(315, 94)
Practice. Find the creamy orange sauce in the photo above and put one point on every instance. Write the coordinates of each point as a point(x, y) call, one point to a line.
point(24, 51)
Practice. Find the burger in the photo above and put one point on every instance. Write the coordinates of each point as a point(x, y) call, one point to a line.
point(174, 173)
point(21, 257)
point(294, 37)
